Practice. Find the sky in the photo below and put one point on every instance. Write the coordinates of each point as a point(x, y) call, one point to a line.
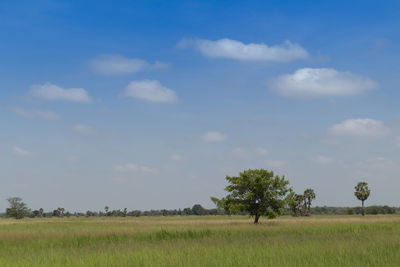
point(150, 104)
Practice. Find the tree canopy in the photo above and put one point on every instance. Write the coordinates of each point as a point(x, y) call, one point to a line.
point(258, 192)
point(17, 209)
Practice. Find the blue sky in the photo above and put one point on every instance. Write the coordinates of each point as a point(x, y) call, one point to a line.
point(149, 104)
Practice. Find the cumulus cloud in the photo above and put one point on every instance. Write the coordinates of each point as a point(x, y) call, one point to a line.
point(212, 137)
point(227, 48)
point(84, 129)
point(51, 92)
point(33, 113)
point(176, 157)
point(151, 91)
point(309, 82)
point(119, 65)
point(134, 168)
point(359, 127)
point(17, 151)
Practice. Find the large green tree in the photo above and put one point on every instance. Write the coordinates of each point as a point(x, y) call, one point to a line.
point(17, 209)
point(258, 192)
point(362, 193)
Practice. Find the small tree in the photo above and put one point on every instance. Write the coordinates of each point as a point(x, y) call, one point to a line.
point(197, 209)
point(291, 203)
point(362, 193)
point(258, 192)
point(219, 203)
point(187, 211)
point(17, 209)
point(296, 204)
point(59, 212)
point(309, 196)
point(300, 205)
point(62, 211)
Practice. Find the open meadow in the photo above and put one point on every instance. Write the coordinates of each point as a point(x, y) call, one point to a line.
point(201, 241)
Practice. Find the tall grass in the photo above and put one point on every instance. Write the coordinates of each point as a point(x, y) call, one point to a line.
point(205, 241)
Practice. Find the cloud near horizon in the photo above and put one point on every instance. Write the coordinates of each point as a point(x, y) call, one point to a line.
point(151, 91)
point(52, 92)
point(359, 128)
point(114, 64)
point(318, 82)
point(232, 49)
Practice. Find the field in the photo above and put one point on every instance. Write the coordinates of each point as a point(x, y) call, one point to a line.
point(201, 241)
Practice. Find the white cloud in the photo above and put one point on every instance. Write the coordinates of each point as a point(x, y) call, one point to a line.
point(17, 151)
point(211, 137)
point(323, 159)
point(359, 127)
point(227, 48)
point(151, 91)
point(51, 92)
point(310, 82)
point(134, 168)
point(278, 164)
point(84, 129)
point(119, 65)
point(176, 157)
point(33, 113)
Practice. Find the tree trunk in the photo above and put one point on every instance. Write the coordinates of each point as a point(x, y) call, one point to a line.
point(256, 218)
point(362, 210)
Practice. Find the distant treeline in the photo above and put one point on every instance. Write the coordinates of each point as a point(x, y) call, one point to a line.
point(199, 210)
point(354, 210)
point(61, 212)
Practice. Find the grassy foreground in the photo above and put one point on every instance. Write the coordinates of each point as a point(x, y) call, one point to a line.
point(201, 241)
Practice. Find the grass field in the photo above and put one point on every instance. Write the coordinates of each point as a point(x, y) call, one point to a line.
point(201, 241)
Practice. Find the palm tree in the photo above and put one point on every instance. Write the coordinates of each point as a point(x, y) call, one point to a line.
point(309, 196)
point(362, 193)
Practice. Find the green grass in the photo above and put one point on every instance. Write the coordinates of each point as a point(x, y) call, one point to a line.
point(201, 241)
